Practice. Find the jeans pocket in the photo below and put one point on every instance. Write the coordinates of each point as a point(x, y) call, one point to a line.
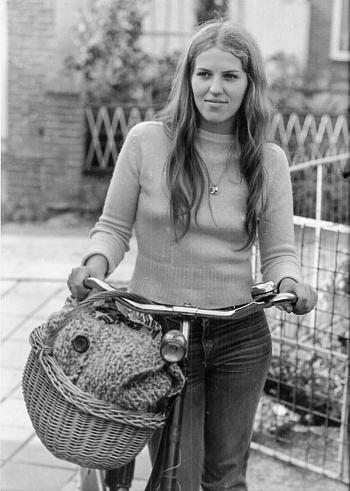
point(245, 346)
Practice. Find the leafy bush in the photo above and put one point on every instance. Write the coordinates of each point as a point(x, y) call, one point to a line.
point(291, 91)
point(110, 52)
point(207, 10)
point(117, 69)
point(335, 194)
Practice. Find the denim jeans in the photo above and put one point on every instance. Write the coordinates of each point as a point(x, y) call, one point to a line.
point(228, 362)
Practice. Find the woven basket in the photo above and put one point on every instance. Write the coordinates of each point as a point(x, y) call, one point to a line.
point(75, 426)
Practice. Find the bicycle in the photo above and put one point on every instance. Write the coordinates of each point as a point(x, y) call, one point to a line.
point(173, 347)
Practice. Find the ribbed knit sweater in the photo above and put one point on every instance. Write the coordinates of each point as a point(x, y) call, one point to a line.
point(205, 268)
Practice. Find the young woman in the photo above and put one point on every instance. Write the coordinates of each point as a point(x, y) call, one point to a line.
point(200, 186)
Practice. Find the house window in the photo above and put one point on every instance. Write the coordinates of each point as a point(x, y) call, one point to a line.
point(340, 48)
point(167, 27)
point(4, 76)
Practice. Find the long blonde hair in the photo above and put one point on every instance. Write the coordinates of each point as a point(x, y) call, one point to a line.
point(185, 176)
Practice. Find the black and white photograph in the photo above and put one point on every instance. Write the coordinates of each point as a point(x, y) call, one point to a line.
point(175, 245)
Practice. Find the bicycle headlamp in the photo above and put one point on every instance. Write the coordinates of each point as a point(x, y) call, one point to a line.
point(173, 346)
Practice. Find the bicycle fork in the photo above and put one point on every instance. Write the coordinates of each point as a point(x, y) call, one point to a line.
point(168, 458)
point(164, 471)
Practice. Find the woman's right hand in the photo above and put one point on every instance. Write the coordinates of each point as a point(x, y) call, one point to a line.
point(96, 267)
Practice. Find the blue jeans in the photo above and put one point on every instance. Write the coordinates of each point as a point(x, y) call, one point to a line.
point(228, 363)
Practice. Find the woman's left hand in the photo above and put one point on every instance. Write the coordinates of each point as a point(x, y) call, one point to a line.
point(305, 293)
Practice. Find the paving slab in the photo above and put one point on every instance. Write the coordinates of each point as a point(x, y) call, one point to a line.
point(24, 477)
point(10, 380)
point(12, 440)
point(14, 414)
point(45, 252)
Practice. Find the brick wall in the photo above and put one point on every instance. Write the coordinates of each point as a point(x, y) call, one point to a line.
point(45, 147)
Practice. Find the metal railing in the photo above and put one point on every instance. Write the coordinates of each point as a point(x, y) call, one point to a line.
point(303, 417)
point(321, 188)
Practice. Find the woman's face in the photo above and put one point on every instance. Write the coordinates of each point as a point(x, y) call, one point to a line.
point(218, 84)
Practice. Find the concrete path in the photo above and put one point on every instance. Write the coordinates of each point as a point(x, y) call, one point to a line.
point(36, 261)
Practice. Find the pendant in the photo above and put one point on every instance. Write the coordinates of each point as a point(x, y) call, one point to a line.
point(214, 190)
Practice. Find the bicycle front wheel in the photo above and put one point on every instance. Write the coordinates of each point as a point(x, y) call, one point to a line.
point(92, 480)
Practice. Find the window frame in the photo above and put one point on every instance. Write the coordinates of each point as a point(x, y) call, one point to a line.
point(336, 53)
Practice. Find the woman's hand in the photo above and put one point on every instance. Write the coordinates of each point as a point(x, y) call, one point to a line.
point(96, 267)
point(305, 293)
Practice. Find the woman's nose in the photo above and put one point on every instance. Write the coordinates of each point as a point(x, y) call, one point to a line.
point(216, 86)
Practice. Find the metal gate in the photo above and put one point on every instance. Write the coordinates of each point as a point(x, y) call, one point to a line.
point(303, 417)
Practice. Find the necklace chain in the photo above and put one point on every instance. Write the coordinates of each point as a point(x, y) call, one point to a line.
point(214, 188)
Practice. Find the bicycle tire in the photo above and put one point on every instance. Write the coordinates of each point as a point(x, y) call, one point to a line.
point(100, 480)
point(92, 480)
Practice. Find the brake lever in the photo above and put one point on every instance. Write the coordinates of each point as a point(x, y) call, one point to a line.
point(266, 292)
point(282, 298)
point(99, 285)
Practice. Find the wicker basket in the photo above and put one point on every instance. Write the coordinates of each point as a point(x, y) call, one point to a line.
point(73, 425)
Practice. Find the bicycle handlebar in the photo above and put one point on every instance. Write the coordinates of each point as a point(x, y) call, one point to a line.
point(140, 304)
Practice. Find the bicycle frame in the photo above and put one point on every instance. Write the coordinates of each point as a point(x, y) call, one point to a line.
point(164, 470)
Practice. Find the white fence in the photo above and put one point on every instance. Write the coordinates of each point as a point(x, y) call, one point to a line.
point(311, 136)
point(302, 137)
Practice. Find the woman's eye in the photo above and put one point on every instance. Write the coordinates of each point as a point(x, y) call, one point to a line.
point(230, 76)
point(203, 74)
point(80, 344)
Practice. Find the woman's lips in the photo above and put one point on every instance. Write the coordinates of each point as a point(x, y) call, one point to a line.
point(215, 101)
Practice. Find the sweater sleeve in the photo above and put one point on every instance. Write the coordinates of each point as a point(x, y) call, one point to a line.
point(276, 228)
point(111, 235)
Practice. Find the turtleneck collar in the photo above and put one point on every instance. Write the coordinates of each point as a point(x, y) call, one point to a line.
point(214, 137)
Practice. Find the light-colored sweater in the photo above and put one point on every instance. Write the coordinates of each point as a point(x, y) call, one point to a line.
point(206, 268)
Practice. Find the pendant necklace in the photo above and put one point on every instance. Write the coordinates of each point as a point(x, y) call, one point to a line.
point(214, 188)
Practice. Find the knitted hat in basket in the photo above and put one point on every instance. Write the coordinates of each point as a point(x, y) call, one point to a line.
point(112, 361)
